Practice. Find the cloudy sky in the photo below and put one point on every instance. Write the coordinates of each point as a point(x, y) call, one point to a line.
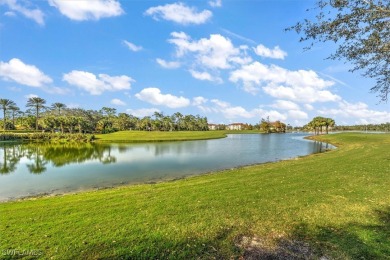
point(228, 60)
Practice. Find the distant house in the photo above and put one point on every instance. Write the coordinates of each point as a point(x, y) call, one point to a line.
point(213, 127)
point(236, 126)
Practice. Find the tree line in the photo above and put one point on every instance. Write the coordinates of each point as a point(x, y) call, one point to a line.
point(59, 118)
point(320, 124)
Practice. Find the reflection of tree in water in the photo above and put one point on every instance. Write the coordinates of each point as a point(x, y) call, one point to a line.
point(63, 154)
point(107, 158)
point(39, 162)
point(11, 157)
point(320, 147)
point(58, 154)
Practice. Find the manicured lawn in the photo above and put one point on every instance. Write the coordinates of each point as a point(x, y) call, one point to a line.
point(335, 204)
point(157, 136)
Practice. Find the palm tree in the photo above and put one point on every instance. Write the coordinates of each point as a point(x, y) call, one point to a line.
point(5, 104)
point(329, 122)
point(37, 104)
point(59, 106)
point(14, 110)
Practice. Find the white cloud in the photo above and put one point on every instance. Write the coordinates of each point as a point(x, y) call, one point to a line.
point(205, 76)
point(10, 14)
point(179, 13)
point(97, 85)
point(309, 107)
point(168, 64)
point(82, 10)
point(197, 101)
point(132, 46)
point(29, 75)
point(275, 53)
point(35, 14)
point(30, 96)
point(215, 3)
point(238, 112)
point(118, 102)
point(300, 86)
point(357, 111)
point(155, 97)
point(285, 105)
point(216, 52)
point(142, 112)
point(297, 114)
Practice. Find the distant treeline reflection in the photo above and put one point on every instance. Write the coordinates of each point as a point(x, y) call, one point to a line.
point(39, 155)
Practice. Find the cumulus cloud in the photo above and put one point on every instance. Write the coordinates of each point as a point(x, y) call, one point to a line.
point(155, 97)
point(29, 75)
point(216, 52)
point(82, 10)
point(96, 85)
point(168, 64)
point(238, 112)
point(300, 86)
point(357, 111)
point(275, 53)
point(197, 101)
point(297, 114)
point(132, 46)
point(179, 13)
point(117, 102)
point(309, 107)
point(34, 14)
point(285, 105)
point(205, 76)
point(142, 112)
point(215, 3)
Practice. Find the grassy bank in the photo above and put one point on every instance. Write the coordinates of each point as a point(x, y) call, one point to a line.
point(335, 204)
point(157, 136)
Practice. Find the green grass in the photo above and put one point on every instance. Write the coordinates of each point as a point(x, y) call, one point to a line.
point(157, 136)
point(336, 202)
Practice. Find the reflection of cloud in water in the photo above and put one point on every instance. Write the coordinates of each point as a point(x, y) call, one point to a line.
point(147, 152)
point(71, 167)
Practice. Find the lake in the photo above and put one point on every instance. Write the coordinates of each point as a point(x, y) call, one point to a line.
point(34, 169)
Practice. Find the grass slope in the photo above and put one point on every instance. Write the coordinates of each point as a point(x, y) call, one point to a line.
point(156, 136)
point(335, 204)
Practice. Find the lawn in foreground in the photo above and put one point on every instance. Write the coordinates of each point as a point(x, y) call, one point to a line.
point(158, 136)
point(335, 204)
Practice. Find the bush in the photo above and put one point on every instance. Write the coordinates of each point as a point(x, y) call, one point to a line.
point(46, 137)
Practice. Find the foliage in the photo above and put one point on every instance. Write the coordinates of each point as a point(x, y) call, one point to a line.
point(37, 104)
point(362, 30)
point(318, 123)
point(367, 127)
point(6, 104)
point(272, 127)
point(46, 137)
point(335, 203)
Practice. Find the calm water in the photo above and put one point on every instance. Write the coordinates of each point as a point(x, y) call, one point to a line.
point(31, 169)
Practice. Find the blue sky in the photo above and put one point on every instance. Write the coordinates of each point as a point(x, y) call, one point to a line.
point(228, 60)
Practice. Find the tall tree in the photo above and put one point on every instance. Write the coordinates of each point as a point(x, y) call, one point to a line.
point(5, 104)
point(59, 107)
point(362, 30)
point(37, 104)
point(14, 110)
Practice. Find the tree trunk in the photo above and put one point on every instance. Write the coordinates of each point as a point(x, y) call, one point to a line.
point(4, 120)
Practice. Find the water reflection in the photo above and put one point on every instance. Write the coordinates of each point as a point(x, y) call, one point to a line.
point(29, 169)
point(58, 155)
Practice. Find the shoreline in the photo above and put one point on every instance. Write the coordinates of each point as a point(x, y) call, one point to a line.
point(158, 181)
